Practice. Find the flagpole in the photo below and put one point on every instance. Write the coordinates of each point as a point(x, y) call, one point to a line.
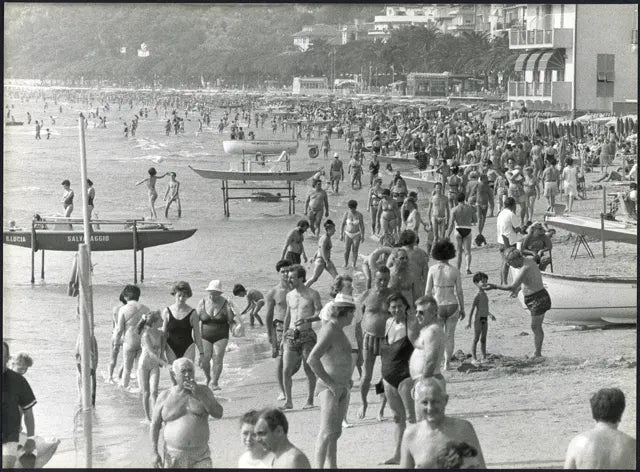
point(85, 304)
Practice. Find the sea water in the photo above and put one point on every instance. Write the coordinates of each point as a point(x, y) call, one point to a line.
point(42, 320)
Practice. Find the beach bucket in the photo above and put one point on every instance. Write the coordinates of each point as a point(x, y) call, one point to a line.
point(313, 151)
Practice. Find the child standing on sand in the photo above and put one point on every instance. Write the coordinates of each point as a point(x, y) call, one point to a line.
point(480, 306)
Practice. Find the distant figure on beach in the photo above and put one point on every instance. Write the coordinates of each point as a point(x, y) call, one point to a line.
point(603, 446)
point(480, 307)
point(276, 301)
point(151, 187)
point(352, 232)
point(536, 297)
point(255, 455)
point(183, 410)
point(255, 302)
point(293, 246)
point(423, 442)
point(91, 195)
point(128, 318)
point(67, 198)
point(375, 312)
point(330, 360)
point(17, 402)
point(151, 359)
point(316, 203)
point(461, 219)
point(438, 212)
point(303, 307)
point(271, 431)
point(173, 193)
point(507, 229)
point(38, 128)
point(322, 259)
point(336, 173)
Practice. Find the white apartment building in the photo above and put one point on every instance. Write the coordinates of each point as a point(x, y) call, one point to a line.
point(576, 57)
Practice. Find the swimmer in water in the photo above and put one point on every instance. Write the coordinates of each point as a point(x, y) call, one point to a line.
point(173, 192)
point(67, 198)
point(151, 187)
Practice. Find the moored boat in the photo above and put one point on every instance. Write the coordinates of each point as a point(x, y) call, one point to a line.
point(270, 146)
point(586, 226)
point(14, 123)
point(590, 300)
point(286, 176)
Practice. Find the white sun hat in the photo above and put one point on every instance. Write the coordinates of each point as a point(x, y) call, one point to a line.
point(214, 286)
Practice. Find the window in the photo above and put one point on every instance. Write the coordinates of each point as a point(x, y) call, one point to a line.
point(605, 75)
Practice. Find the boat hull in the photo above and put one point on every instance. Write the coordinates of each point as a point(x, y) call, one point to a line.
point(613, 230)
point(590, 301)
point(236, 146)
point(286, 176)
point(51, 240)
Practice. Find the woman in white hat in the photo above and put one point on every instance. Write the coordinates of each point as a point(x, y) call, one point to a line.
point(217, 316)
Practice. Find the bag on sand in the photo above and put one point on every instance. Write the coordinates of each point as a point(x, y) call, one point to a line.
point(480, 240)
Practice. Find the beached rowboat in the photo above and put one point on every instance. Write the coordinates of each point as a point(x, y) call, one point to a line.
point(13, 123)
point(286, 176)
point(116, 240)
point(265, 146)
point(590, 300)
point(586, 226)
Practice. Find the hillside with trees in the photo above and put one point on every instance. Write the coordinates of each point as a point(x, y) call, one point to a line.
point(237, 44)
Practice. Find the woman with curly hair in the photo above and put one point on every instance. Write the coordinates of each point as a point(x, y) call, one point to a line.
point(445, 285)
point(181, 326)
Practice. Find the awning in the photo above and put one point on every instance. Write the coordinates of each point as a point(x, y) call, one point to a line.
point(532, 60)
point(551, 60)
point(519, 65)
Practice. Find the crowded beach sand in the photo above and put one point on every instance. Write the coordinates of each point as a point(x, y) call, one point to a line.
point(525, 410)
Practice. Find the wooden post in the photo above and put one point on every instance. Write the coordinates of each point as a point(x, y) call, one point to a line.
point(33, 251)
point(86, 314)
point(293, 188)
point(604, 210)
point(224, 200)
point(135, 250)
point(141, 265)
point(42, 266)
point(289, 194)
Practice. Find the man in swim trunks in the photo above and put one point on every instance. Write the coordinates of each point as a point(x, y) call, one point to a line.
point(303, 308)
point(507, 230)
point(316, 203)
point(418, 262)
point(423, 441)
point(322, 259)
point(536, 296)
point(484, 199)
point(173, 192)
point(330, 360)
point(271, 431)
point(603, 446)
point(438, 212)
point(462, 216)
point(400, 279)
point(429, 342)
point(276, 301)
point(336, 173)
point(184, 411)
point(374, 318)
point(293, 246)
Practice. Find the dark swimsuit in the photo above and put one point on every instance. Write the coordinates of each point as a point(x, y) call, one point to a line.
point(395, 360)
point(464, 232)
point(179, 334)
point(216, 328)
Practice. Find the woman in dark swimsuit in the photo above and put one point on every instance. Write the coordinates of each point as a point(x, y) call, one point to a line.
point(394, 355)
point(179, 321)
point(216, 315)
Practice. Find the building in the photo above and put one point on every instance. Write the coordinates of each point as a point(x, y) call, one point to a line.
point(356, 32)
point(304, 39)
point(399, 16)
point(429, 84)
point(576, 58)
point(310, 86)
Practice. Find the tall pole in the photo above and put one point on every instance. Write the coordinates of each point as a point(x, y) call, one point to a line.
point(86, 310)
point(85, 207)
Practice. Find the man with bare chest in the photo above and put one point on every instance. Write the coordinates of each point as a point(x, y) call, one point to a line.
point(316, 203)
point(303, 308)
point(418, 263)
point(400, 277)
point(374, 319)
point(423, 441)
point(184, 411)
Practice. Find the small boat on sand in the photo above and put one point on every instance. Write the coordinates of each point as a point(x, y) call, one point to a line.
point(110, 240)
point(14, 123)
point(586, 226)
point(590, 300)
point(424, 181)
point(265, 146)
point(286, 176)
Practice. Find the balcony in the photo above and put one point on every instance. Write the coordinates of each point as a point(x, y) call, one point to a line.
point(634, 37)
point(558, 93)
point(540, 38)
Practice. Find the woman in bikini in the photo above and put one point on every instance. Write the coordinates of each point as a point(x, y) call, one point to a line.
point(67, 198)
point(399, 189)
point(388, 216)
point(217, 316)
point(395, 354)
point(352, 232)
point(531, 190)
point(151, 359)
point(454, 184)
point(128, 318)
point(375, 195)
point(462, 219)
point(151, 187)
point(181, 326)
point(445, 285)
point(91, 194)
